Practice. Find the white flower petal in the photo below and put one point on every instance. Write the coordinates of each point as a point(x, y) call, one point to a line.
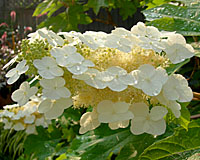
point(77, 69)
point(18, 126)
point(56, 71)
point(116, 85)
point(116, 125)
point(137, 127)
point(157, 127)
point(30, 129)
point(88, 121)
point(11, 73)
point(29, 119)
point(105, 106)
point(16, 95)
point(63, 92)
point(121, 107)
point(139, 109)
point(45, 106)
point(158, 113)
point(13, 79)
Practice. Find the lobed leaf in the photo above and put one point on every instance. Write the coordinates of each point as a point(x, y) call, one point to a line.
point(184, 20)
point(100, 143)
point(173, 146)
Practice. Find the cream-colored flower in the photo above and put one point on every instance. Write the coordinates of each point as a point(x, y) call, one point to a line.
point(54, 88)
point(72, 37)
point(173, 105)
point(18, 126)
point(15, 73)
point(120, 124)
point(52, 109)
point(18, 115)
point(89, 121)
point(6, 113)
point(145, 122)
point(176, 88)
point(120, 43)
point(149, 36)
point(93, 39)
point(30, 129)
point(47, 68)
point(92, 77)
point(149, 79)
point(117, 78)
point(62, 54)
point(176, 48)
point(29, 119)
point(142, 30)
point(7, 124)
point(109, 112)
point(51, 37)
point(42, 122)
point(69, 57)
point(23, 94)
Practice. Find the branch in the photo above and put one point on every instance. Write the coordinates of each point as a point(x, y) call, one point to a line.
point(196, 95)
point(195, 116)
point(108, 21)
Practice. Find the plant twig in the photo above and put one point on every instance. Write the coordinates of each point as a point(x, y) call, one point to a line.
point(194, 68)
point(108, 21)
point(195, 116)
point(196, 95)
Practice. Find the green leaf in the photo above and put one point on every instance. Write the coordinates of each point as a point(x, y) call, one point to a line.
point(193, 3)
point(43, 144)
point(62, 157)
point(48, 6)
point(184, 20)
point(72, 114)
point(175, 67)
point(156, 3)
point(67, 20)
point(184, 119)
point(96, 5)
point(128, 152)
point(100, 143)
point(127, 8)
point(180, 142)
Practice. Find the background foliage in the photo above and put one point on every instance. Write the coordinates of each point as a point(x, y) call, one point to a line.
point(62, 141)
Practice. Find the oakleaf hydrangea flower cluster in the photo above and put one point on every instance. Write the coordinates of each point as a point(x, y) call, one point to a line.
point(122, 75)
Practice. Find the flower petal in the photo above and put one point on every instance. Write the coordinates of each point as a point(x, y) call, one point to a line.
point(158, 113)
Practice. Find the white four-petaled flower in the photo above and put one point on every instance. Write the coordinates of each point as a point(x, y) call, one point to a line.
point(47, 68)
point(109, 112)
point(149, 79)
point(89, 121)
point(117, 78)
point(52, 109)
point(171, 104)
point(145, 122)
point(150, 37)
point(176, 48)
point(176, 88)
point(15, 73)
point(69, 57)
point(23, 94)
point(51, 37)
point(54, 88)
point(93, 78)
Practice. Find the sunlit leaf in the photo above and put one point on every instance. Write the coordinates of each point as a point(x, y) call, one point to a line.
point(176, 145)
point(184, 20)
